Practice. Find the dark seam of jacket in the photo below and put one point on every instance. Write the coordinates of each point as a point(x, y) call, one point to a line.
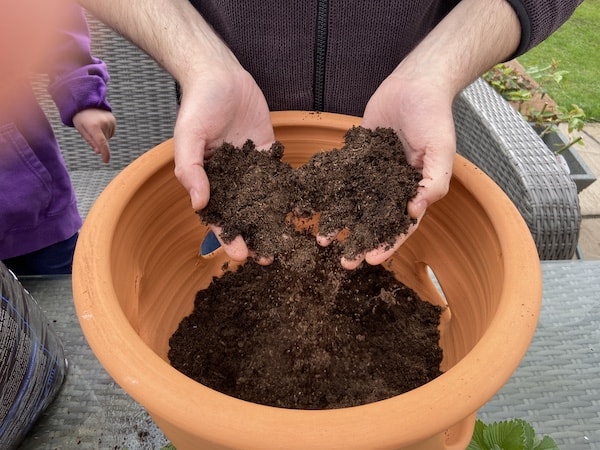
point(320, 55)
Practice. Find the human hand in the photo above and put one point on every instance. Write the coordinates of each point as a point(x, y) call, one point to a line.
point(421, 113)
point(216, 107)
point(96, 126)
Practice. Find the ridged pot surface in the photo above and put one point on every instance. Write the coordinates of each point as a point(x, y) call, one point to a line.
point(137, 271)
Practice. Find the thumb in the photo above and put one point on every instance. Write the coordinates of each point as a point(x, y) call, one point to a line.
point(189, 170)
point(437, 172)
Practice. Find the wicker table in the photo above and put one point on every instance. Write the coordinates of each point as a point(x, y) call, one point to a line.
point(556, 387)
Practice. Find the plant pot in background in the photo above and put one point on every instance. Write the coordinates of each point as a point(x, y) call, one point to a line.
point(137, 271)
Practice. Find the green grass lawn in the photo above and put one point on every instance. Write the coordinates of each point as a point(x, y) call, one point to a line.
point(575, 47)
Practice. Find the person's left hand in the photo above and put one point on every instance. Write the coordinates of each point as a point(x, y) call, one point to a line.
point(421, 113)
point(96, 126)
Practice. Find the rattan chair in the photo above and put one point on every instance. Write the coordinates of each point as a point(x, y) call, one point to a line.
point(489, 133)
point(495, 137)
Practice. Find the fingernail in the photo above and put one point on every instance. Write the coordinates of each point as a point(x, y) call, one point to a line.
point(195, 198)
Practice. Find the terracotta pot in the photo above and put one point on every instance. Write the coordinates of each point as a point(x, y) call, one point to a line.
point(137, 270)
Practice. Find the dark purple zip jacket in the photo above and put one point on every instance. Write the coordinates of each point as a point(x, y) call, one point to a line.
point(37, 202)
point(331, 55)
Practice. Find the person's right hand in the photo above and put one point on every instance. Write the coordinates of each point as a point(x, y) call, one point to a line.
point(220, 105)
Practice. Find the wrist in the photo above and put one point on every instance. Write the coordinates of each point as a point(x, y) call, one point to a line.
point(472, 38)
point(418, 86)
point(223, 79)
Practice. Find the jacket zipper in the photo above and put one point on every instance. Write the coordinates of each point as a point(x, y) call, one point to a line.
point(320, 55)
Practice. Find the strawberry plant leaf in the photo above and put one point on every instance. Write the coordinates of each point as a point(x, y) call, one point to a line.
point(507, 435)
point(547, 443)
point(515, 434)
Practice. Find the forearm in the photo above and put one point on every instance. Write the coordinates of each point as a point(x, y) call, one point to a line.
point(170, 31)
point(473, 37)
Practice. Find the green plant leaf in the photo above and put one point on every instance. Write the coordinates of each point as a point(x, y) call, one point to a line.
point(529, 439)
point(477, 442)
point(508, 435)
point(514, 434)
point(547, 443)
point(517, 89)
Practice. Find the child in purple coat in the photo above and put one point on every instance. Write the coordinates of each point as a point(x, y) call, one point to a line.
point(39, 220)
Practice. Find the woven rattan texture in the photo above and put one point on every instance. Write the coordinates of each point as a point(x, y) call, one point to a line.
point(556, 388)
point(142, 96)
point(89, 184)
point(494, 136)
point(557, 385)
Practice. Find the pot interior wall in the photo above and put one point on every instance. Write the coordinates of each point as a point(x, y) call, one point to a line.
point(157, 238)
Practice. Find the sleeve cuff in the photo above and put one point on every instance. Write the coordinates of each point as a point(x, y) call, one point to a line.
point(85, 92)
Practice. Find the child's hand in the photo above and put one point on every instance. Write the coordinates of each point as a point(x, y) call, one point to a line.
point(96, 126)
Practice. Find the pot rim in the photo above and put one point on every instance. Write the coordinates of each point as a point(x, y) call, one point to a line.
point(445, 400)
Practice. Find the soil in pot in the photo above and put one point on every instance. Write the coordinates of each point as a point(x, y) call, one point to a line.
point(303, 332)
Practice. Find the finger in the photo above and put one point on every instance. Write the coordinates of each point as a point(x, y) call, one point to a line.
point(351, 264)
point(263, 260)
point(110, 128)
point(102, 148)
point(380, 254)
point(96, 139)
point(430, 190)
point(236, 249)
point(383, 252)
point(436, 169)
point(417, 206)
point(325, 239)
point(189, 170)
